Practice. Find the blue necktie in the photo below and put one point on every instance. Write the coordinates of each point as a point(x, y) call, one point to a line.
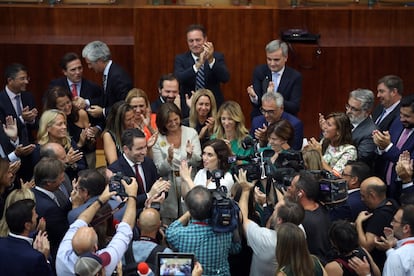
point(379, 119)
point(275, 80)
point(18, 105)
point(200, 78)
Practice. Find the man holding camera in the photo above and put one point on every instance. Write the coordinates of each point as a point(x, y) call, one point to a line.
point(135, 163)
point(81, 239)
point(193, 233)
point(262, 240)
point(305, 190)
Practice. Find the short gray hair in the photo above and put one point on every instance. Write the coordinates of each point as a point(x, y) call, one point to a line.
point(365, 96)
point(274, 97)
point(96, 50)
point(275, 45)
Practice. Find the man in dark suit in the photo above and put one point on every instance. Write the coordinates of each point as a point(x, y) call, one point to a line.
point(277, 77)
point(200, 67)
point(116, 82)
point(13, 151)
point(168, 89)
point(354, 173)
point(273, 110)
point(85, 94)
point(392, 143)
point(17, 102)
point(135, 163)
point(389, 91)
point(48, 176)
point(18, 256)
point(358, 109)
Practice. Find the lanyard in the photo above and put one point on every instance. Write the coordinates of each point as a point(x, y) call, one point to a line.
point(407, 242)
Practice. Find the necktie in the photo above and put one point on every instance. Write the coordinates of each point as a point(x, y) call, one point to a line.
point(275, 80)
point(61, 198)
point(379, 119)
point(139, 180)
point(104, 82)
point(200, 78)
point(74, 90)
point(403, 138)
point(18, 105)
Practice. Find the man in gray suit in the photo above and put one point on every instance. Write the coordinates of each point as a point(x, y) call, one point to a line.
point(358, 109)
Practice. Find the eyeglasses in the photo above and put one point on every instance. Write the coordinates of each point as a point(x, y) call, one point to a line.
point(346, 174)
point(353, 109)
point(264, 111)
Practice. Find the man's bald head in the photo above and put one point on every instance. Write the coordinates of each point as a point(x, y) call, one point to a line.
point(54, 150)
point(149, 221)
point(373, 191)
point(85, 240)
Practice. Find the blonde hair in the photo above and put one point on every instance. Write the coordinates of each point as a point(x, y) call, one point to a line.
point(193, 118)
point(13, 197)
point(137, 93)
point(312, 159)
point(47, 119)
point(236, 114)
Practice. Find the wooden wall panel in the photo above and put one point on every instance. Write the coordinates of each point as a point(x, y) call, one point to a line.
point(359, 45)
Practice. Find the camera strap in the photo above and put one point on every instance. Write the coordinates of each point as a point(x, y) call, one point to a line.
point(107, 215)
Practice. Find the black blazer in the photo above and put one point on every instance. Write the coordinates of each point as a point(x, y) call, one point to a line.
point(183, 70)
point(150, 174)
point(56, 219)
point(89, 90)
point(290, 87)
point(18, 257)
point(386, 122)
point(6, 109)
point(393, 154)
point(118, 84)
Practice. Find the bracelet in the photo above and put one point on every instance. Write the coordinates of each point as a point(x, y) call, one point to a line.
point(100, 202)
point(134, 197)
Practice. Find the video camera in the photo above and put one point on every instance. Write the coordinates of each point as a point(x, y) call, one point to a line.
point(116, 185)
point(333, 191)
point(259, 166)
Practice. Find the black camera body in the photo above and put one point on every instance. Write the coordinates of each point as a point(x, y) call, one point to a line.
point(333, 191)
point(116, 185)
point(258, 166)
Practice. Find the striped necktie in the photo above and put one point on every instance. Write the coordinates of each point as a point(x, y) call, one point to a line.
point(200, 78)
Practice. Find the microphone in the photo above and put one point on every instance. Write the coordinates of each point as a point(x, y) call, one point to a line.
point(144, 270)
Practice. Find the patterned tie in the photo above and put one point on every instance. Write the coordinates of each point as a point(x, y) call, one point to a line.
point(74, 90)
point(200, 78)
point(18, 105)
point(403, 138)
point(139, 180)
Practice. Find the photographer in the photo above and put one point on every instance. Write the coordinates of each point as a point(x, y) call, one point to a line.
point(305, 190)
point(193, 233)
point(80, 238)
point(215, 161)
point(262, 240)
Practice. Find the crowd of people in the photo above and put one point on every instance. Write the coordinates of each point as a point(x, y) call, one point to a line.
point(62, 215)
